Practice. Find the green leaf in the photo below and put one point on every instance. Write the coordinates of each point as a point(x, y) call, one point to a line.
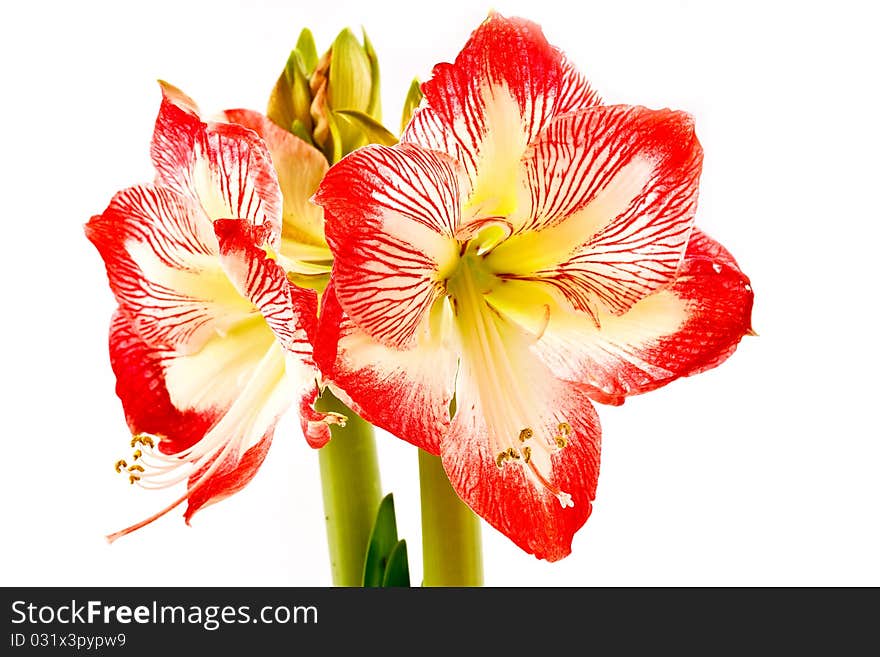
point(397, 571)
point(412, 100)
point(305, 44)
point(375, 132)
point(374, 109)
point(383, 540)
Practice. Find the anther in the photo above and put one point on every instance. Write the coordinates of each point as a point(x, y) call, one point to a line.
point(121, 464)
point(139, 468)
point(501, 458)
point(137, 454)
point(133, 478)
point(560, 441)
point(513, 453)
point(527, 454)
point(143, 439)
point(564, 429)
point(525, 434)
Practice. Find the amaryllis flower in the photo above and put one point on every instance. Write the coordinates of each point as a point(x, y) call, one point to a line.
point(525, 249)
point(210, 342)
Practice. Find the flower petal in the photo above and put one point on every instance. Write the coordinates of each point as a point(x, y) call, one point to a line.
point(536, 515)
point(223, 166)
point(161, 260)
point(141, 387)
point(405, 392)
point(691, 326)
point(212, 413)
point(300, 168)
point(290, 312)
point(505, 86)
point(391, 214)
point(612, 193)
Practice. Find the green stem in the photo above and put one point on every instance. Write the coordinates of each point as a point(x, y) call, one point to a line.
point(352, 491)
point(451, 544)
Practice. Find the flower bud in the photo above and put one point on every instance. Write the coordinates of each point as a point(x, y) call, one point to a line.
point(332, 102)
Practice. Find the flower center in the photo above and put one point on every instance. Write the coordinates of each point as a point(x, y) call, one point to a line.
point(511, 385)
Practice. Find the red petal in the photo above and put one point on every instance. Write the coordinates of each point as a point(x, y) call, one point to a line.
point(692, 326)
point(390, 215)
point(612, 203)
point(529, 514)
point(161, 260)
point(300, 169)
point(509, 54)
point(224, 167)
point(405, 392)
point(140, 384)
point(228, 479)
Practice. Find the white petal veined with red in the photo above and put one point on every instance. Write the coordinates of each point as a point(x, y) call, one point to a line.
point(611, 200)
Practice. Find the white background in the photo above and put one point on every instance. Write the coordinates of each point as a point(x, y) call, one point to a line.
point(762, 472)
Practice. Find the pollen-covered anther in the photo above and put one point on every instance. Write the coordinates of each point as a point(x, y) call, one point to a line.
point(133, 478)
point(561, 439)
point(142, 439)
point(513, 453)
point(525, 434)
point(526, 454)
point(137, 467)
point(137, 454)
point(501, 458)
point(120, 464)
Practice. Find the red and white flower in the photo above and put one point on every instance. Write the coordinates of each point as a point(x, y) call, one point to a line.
point(210, 342)
point(524, 249)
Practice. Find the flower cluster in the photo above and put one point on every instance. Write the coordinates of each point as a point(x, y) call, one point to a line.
point(523, 251)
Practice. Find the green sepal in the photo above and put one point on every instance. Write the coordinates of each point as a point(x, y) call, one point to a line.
point(383, 540)
point(305, 45)
point(374, 109)
point(397, 570)
point(372, 130)
point(412, 100)
point(350, 73)
point(334, 149)
point(299, 129)
point(291, 97)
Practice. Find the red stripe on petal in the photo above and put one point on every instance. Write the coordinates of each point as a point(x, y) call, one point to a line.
point(390, 216)
point(687, 328)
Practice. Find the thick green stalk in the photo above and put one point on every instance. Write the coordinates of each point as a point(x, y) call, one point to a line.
point(452, 551)
point(352, 491)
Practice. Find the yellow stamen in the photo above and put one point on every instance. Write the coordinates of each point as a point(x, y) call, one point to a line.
point(121, 464)
point(527, 454)
point(133, 478)
point(525, 434)
point(139, 468)
point(137, 454)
